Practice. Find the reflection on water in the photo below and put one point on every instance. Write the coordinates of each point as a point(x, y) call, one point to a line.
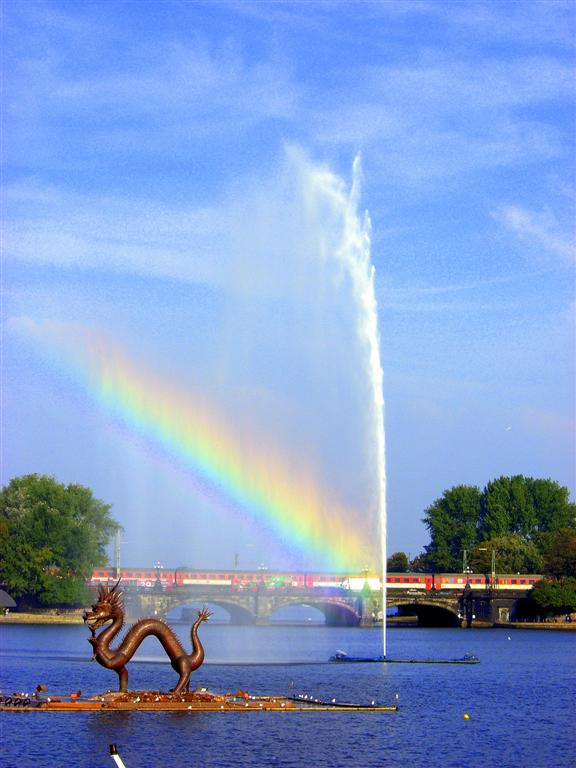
point(520, 699)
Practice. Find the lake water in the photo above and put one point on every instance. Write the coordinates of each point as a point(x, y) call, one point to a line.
point(520, 700)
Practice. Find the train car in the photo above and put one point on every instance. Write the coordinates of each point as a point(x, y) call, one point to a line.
point(458, 581)
point(264, 579)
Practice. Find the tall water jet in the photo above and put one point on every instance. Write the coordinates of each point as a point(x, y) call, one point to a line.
point(355, 255)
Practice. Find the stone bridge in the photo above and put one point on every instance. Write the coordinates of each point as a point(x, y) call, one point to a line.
point(250, 607)
point(342, 608)
point(453, 608)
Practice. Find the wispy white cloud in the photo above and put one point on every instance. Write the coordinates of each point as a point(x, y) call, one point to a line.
point(446, 112)
point(155, 99)
point(539, 229)
point(489, 295)
point(534, 22)
point(246, 242)
point(443, 115)
point(52, 226)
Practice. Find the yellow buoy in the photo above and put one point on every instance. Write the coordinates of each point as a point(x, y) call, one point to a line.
point(466, 716)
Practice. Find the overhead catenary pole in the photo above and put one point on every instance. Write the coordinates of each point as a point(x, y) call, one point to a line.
point(117, 555)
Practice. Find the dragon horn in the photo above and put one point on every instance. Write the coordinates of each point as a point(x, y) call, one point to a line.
point(116, 585)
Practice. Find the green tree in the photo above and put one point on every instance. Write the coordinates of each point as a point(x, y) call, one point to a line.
point(559, 550)
point(51, 537)
point(420, 564)
point(555, 597)
point(552, 504)
point(397, 563)
point(512, 554)
point(525, 506)
point(452, 521)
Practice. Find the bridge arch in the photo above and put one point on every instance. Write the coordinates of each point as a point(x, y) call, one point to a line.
point(430, 613)
point(162, 604)
point(336, 613)
point(238, 614)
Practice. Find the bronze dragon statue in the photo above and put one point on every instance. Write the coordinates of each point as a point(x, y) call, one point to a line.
point(109, 607)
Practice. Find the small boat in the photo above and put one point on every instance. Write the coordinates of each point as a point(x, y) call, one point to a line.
point(343, 657)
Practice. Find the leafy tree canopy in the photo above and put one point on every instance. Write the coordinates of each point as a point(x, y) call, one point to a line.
point(559, 550)
point(512, 554)
point(397, 563)
point(508, 511)
point(555, 597)
point(51, 537)
point(525, 506)
point(452, 521)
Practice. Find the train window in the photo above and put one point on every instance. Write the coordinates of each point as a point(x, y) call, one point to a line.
point(522, 581)
point(514, 581)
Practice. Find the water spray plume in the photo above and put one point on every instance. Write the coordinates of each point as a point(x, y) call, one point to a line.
point(354, 254)
point(279, 415)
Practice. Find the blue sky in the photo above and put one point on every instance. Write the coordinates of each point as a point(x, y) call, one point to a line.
point(149, 193)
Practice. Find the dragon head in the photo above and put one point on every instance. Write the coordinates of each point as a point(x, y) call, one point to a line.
point(108, 606)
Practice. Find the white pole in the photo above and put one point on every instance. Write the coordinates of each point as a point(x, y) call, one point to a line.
point(116, 757)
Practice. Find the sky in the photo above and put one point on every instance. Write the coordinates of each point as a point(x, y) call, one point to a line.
point(194, 194)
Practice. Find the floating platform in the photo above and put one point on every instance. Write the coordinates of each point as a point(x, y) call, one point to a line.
point(343, 658)
point(197, 701)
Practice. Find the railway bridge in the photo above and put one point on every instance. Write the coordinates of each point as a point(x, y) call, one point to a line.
point(436, 607)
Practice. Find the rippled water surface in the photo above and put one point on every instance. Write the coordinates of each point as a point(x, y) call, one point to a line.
point(520, 699)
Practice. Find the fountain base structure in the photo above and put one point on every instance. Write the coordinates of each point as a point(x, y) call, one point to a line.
point(341, 657)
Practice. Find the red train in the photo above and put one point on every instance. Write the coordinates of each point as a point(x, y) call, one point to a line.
point(169, 579)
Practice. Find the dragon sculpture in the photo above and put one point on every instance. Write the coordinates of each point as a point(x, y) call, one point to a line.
point(109, 607)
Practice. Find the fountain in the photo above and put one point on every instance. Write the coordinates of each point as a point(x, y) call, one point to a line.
point(354, 254)
point(275, 427)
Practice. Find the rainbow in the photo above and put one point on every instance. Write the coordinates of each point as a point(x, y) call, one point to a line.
point(246, 472)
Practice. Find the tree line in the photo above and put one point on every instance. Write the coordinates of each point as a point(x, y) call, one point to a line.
point(51, 538)
point(513, 525)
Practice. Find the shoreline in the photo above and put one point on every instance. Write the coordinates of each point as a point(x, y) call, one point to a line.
point(564, 626)
point(42, 618)
point(75, 618)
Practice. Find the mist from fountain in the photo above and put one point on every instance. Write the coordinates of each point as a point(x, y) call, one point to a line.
point(315, 229)
point(264, 412)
